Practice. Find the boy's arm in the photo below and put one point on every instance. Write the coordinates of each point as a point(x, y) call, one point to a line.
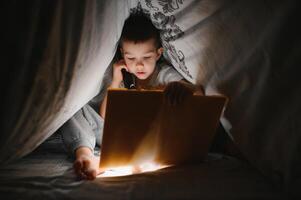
point(103, 105)
point(116, 81)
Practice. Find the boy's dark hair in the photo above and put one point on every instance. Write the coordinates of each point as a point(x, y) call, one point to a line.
point(139, 28)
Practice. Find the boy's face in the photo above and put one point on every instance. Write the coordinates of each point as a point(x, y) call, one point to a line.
point(140, 58)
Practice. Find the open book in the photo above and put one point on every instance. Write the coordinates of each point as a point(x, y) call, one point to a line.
point(141, 125)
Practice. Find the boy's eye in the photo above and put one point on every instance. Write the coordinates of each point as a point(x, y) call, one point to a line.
point(130, 58)
point(147, 57)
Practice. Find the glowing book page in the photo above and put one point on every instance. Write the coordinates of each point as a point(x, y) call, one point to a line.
point(141, 126)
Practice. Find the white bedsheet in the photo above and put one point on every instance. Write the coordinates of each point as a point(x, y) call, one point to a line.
point(50, 176)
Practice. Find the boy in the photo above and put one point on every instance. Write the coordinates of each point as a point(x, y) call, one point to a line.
point(140, 49)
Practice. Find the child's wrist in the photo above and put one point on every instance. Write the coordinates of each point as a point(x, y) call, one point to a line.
point(115, 84)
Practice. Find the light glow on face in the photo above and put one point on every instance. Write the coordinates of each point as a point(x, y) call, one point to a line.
point(141, 58)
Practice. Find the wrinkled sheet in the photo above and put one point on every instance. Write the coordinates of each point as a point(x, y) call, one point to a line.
point(42, 175)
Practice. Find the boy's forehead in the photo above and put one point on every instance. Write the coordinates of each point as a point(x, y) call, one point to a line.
point(145, 46)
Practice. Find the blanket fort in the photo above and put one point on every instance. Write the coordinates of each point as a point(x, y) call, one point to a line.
point(142, 131)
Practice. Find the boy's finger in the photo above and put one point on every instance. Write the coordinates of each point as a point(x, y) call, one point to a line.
point(185, 94)
point(175, 97)
point(166, 95)
point(172, 95)
point(178, 93)
point(124, 67)
point(180, 96)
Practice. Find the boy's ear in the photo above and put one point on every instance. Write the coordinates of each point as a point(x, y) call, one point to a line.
point(159, 52)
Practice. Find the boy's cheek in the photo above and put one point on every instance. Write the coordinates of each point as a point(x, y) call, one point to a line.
point(152, 62)
point(130, 69)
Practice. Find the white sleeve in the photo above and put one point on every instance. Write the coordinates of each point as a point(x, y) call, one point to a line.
point(168, 74)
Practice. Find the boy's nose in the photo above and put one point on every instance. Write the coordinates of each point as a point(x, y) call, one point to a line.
point(139, 65)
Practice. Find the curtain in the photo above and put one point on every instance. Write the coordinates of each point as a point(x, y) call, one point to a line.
point(57, 52)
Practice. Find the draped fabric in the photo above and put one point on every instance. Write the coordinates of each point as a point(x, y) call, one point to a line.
point(57, 52)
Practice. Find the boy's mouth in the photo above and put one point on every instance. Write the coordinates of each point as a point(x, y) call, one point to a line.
point(141, 73)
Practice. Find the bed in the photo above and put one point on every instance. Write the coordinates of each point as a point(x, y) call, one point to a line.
point(49, 175)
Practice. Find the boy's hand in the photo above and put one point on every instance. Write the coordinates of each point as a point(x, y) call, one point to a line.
point(176, 92)
point(117, 75)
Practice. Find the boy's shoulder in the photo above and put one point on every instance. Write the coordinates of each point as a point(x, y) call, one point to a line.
point(167, 73)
